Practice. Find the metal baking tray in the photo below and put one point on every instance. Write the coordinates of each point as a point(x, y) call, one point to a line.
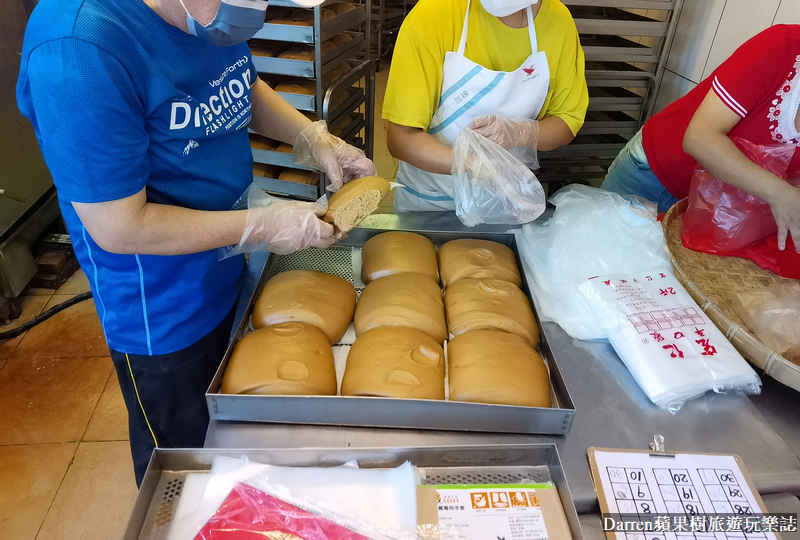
point(273, 157)
point(505, 464)
point(301, 102)
point(305, 34)
point(293, 189)
point(306, 68)
point(386, 412)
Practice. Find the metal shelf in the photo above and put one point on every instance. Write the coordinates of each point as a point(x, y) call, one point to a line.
point(344, 92)
point(317, 32)
point(292, 189)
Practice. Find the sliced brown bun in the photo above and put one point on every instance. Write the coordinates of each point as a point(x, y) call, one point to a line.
point(355, 201)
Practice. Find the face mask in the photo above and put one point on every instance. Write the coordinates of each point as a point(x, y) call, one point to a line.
point(504, 8)
point(236, 21)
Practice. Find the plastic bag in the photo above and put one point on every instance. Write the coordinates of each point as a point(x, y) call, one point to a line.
point(670, 346)
point(250, 514)
point(773, 314)
point(722, 219)
point(379, 504)
point(592, 232)
point(490, 185)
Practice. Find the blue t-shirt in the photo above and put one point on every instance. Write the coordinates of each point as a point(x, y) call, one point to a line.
point(120, 101)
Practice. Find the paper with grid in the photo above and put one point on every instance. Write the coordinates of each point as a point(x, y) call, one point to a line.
point(693, 484)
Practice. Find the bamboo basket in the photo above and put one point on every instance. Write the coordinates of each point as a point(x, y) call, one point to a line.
point(713, 281)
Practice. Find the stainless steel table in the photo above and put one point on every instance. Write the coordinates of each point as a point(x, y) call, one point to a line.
point(612, 411)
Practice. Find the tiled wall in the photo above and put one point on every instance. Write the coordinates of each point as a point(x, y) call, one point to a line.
point(709, 31)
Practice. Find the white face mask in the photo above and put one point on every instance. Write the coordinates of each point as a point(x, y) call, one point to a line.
point(504, 8)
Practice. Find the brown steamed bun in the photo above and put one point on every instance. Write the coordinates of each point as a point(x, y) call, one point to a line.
point(395, 363)
point(483, 304)
point(290, 359)
point(471, 258)
point(319, 299)
point(489, 366)
point(407, 300)
point(398, 252)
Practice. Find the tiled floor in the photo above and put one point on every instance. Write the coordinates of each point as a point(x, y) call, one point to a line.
point(65, 465)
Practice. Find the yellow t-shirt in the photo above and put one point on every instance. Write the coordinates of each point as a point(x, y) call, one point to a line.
point(434, 27)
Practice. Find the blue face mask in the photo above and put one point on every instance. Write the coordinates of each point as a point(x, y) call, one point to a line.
point(236, 21)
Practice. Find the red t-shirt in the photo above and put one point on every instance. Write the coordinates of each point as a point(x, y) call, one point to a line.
point(760, 82)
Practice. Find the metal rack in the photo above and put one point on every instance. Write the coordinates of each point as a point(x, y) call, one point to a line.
point(308, 56)
point(626, 53)
point(387, 16)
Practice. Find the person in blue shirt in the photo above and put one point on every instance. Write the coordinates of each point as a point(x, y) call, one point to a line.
point(142, 110)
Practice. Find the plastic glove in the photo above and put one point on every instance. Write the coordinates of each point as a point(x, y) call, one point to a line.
point(282, 226)
point(318, 149)
point(518, 137)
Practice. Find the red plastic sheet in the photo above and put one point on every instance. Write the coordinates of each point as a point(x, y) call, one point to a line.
point(724, 220)
point(251, 514)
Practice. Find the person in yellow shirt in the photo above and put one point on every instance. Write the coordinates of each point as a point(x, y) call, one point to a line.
point(512, 70)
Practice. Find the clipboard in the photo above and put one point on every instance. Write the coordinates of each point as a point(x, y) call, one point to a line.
point(661, 482)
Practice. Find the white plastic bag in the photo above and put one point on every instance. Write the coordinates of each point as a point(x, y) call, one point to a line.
point(377, 503)
point(672, 349)
point(592, 232)
point(490, 185)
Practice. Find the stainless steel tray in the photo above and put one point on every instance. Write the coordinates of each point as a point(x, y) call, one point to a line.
point(273, 185)
point(386, 412)
point(529, 463)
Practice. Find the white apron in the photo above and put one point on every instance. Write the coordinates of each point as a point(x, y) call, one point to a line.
point(470, 90)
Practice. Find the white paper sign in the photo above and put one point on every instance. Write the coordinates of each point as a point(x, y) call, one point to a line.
point(700, 486)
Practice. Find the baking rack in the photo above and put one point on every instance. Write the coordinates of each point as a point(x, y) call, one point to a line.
point(334, 83)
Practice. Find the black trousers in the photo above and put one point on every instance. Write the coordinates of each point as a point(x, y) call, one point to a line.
point(165, 394)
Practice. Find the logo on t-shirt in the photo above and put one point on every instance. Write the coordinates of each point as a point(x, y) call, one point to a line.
point(529, 70)
point(227, 107)
point(191, 145)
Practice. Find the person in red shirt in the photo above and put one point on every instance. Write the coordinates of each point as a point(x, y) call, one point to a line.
point(753, 95)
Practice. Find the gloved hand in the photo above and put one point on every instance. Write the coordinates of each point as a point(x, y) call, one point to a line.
point(786, 209)
point(318, 149)
point(282, 226)
point(520, 138)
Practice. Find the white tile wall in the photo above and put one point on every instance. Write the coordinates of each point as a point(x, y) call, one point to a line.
point(673, 87)
point(788, 12)
point(694, 37)
point(741, 20)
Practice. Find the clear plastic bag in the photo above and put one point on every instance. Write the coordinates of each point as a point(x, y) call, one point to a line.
point(723, 219)
point(773, 314)
point(670, 346)
point(592, 232)
point(490, 185)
